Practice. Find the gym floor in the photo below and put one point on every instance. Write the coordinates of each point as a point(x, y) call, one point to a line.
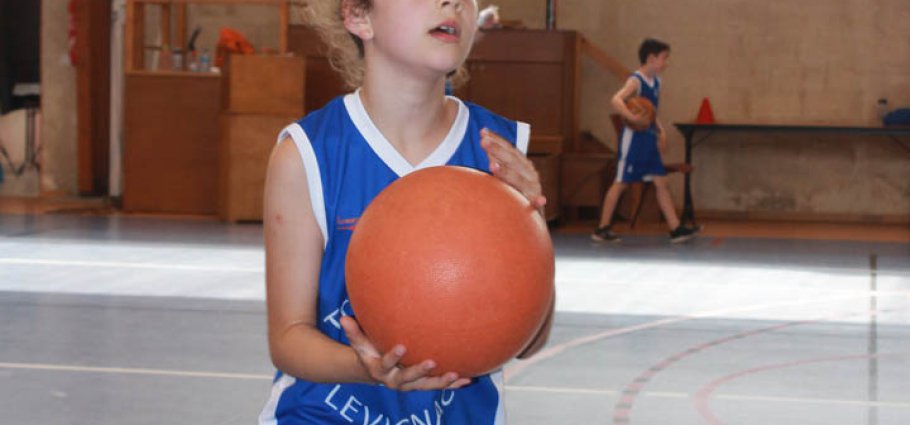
point(109, 319)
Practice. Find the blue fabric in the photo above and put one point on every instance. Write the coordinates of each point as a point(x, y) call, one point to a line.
point(897, 117)
point(352, 174)
point(638, 155)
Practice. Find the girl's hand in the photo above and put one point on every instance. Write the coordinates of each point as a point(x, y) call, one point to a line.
point(512, 167)
point(385, 369)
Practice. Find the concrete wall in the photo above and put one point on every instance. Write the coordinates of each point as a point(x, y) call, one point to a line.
point(58, 102)
point(812, 61)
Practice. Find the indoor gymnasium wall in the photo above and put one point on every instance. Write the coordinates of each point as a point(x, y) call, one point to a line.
point(773, 62)
point(813, 61)
point(58, 102)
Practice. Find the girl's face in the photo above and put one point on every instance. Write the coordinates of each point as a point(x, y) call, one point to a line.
point(427, 37)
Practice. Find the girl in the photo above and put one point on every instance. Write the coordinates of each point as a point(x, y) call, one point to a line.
point(323, 173)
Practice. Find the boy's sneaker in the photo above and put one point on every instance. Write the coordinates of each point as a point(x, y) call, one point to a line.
point(605, 234)
point(682, 234)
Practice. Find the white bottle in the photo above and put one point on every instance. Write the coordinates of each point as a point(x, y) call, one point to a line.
point(205, 61)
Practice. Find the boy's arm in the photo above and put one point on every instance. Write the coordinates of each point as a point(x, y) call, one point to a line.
point(619, 99)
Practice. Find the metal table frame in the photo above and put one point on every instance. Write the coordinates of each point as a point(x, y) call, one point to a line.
point(689, 130)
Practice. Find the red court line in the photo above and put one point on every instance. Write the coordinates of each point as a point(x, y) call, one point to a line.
point(703, 395)
point(515, 369)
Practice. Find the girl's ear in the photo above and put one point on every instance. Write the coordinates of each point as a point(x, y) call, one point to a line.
point(356, 20)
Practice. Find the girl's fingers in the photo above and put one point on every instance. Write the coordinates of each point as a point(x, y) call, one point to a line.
point(512, 166)
point(358, 339)
point(461, 382)
point(391, 359)
point(409, 376)
point(500, 151)
point(431, 382)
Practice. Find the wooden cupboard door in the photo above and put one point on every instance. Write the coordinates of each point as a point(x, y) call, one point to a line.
point(529, 92)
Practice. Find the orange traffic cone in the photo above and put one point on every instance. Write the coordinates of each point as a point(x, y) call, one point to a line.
point(705, 114)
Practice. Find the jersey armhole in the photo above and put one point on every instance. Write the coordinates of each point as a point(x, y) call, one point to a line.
point(523, 137)
point(313, 176)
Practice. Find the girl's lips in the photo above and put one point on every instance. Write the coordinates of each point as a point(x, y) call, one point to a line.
point(446, 31)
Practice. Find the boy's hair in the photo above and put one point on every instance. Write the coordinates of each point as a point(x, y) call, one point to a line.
point(651, 46)
point(345, 50)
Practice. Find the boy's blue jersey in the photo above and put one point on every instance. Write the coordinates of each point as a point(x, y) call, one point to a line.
point(639, 157)
point(348, 162)
point(650, 90)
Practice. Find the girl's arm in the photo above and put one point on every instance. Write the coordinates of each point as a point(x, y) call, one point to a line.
point(293, 249)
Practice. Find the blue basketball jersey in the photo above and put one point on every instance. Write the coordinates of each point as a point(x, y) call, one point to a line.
point(639, 157)
point(648, 89)
point(347, 163)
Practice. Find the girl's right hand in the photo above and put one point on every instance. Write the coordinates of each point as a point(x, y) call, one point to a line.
point(386, 370)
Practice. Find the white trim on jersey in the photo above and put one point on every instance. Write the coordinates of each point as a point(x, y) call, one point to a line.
point(626, 142)
point(388, 154)
point(648, 81)
point(267, 416)
point(313, 177)
point(499, 381)
point(523, 137)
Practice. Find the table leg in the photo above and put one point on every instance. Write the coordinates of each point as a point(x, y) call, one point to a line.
point(688, 215)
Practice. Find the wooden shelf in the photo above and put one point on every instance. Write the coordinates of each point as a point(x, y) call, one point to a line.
point(172, 118)
point(229, 2)
point(134, 31)
point(190, 74)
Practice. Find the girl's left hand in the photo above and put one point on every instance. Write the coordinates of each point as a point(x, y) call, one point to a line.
point(512, 167)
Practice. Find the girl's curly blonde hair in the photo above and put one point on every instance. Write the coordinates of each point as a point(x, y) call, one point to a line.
point(345, 50)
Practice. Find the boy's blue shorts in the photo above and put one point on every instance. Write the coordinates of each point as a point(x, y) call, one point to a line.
point(639, 158)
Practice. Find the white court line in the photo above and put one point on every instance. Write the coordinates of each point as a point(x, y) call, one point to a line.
point(516, 388)
point(133, 371)
point(900, 404)
point(126, 265)
point(551, 351)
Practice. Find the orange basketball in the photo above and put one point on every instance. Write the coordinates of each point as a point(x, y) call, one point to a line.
point(453, 264)
point(639, 105)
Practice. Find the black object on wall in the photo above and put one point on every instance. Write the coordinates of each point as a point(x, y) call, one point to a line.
point(20, 65)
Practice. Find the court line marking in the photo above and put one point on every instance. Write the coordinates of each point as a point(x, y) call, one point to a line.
point(549, 352)
point(702, 397)
point(517, 388)
point(133, 371)
point(126, 265)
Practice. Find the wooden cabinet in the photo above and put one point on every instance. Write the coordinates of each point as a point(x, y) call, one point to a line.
point(255, 112)
point(170, 160)
point(584, 178)
point(246, 142)
point(531, 76)
point(547, 166)
point(172, 119)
